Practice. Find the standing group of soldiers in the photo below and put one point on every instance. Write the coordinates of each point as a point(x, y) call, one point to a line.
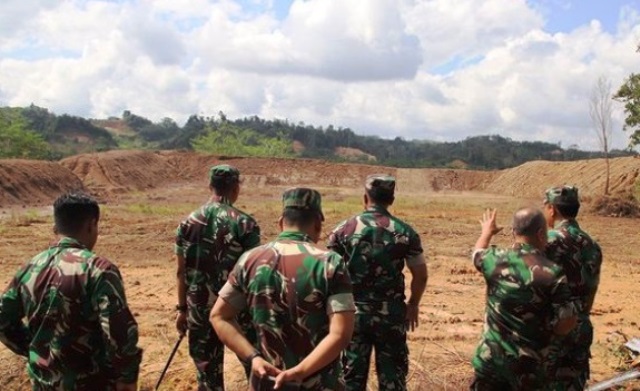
point(301, 317)
point(537, 333)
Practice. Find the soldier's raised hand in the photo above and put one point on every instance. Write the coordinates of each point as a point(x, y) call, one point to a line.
point(488, 222)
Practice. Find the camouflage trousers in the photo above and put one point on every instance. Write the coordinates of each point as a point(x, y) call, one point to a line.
point(497, 370)
point(570, 367)
point(387, 336)
point(97, 382)
point(207, 351)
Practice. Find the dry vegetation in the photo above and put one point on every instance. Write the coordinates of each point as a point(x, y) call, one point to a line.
point(137, 234)
point(617, 205)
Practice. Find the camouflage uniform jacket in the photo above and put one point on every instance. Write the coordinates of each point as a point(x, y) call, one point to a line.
point(79, 332)
point(580, 258)
point(291, 286)
point(376, 246)
point(211, 240)
point(526, 296)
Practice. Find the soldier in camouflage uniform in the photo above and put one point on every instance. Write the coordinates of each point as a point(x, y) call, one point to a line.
point(580, 257)
point(300, 299)
point(79, 333)
point(528, 305)
point(376, 246)
point(208, 245)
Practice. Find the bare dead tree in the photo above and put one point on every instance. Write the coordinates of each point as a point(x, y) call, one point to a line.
point(601, 111)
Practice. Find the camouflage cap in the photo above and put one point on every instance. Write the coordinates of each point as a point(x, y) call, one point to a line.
point(380, 183)
point(302, 198)
point(562, 195)
point(224, 172)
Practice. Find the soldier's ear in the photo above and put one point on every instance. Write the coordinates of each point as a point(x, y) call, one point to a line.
point(91, 225)
point(542, 236)
point(281, 223)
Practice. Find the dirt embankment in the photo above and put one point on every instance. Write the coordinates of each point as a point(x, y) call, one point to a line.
point(533, 178)
point(115, 172)
point(120, 171)
point(440, 179)
point(33, 182)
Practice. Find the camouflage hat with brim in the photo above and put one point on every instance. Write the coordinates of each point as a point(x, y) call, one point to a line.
point(380, 184)
point(562, 195)
point(302, 198)
point(224, 172)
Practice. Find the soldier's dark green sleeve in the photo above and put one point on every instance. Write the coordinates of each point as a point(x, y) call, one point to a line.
point(593, 277)
point(415, 249)
point(250, 236)
point(335, 241)
point(553, 248)
point(340, 290)
point(234, 290)
point(478, 257)
point(563, 306)
point(120, 329)
point(13, 332)
point(180, 245)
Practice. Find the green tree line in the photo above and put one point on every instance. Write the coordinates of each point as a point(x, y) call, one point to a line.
point(36, 133)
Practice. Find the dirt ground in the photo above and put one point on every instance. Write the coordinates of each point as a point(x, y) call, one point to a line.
point(137, 233)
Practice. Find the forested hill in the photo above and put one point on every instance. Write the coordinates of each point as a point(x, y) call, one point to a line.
point(34, 132)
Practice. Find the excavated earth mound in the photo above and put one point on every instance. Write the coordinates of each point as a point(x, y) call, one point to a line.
point(33, 182)
point(532, 178)
point(121, 171)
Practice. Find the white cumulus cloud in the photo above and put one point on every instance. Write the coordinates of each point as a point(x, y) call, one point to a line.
point(428, 69)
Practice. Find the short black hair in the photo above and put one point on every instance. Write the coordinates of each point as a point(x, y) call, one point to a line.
point(381, 197)
point(72, 210)
point(569, 211)
point(528, 221)
point(223, 185)
point(300, 217)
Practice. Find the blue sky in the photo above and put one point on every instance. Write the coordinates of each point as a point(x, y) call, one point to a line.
point(417, 69)
point(566, 15)
point(560, 15)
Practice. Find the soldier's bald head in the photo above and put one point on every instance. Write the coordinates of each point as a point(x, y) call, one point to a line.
point(528, 222)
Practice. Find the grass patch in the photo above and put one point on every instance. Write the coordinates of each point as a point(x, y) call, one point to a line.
point(157, 210)
point(342, 208)
point(25, 219)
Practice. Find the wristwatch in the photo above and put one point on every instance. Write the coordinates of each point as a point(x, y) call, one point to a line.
point(249, 360)
point(181, 308)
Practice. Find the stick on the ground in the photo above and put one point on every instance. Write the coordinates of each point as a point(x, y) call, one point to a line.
point(616, 381)
point(173, 352)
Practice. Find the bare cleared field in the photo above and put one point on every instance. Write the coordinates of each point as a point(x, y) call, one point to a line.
point(137, 233)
